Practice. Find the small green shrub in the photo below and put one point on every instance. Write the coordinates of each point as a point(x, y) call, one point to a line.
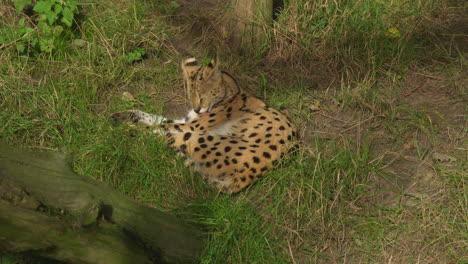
point(135, 55)
point(50, 29)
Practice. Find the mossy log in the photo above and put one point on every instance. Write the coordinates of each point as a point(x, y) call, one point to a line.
point(48, 210)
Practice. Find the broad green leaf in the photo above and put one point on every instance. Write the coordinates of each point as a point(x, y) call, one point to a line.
point(51, 17)
point(58, 30)
point(66, 22)
point(42, 18)
point(46, 45)
point(73, 6)
point(20, 4)
point(58, 8)
point(67, 16)
point(42, 6)
point(44, 28)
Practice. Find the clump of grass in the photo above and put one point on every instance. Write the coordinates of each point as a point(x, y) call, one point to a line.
point(359, 38)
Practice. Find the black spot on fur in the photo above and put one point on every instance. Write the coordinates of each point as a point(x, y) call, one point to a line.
point(282, 142)
point(246, 165)
point(201, 140)
point(208, 164)
point(210, 138)
point(268, 135)
point(187, 136)
point(273, 147)
point(203, 146)
point(211, 121)
point(229, 109)
point(262, 117)
point(196, 149)
point(212, 114)
point(264, 169)
point(253, 135)
point(227, 149)
point(233, 142)
point(238, 154)
point(215, 161)
point(218, 154)
point(256, 159)
point(226, 162)
point(267, 155)
point(243, 179)
point(242, 148)
point(219, 166)
point(253, 170)
point(183, 147)
point(269, 128)
point(234, 161)
point(282, 128)
point(258, 140)
point(254, 146)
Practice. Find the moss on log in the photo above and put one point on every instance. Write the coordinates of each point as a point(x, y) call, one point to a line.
point(47, 209)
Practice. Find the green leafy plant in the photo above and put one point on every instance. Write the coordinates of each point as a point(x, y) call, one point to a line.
point(135, 55)
point(52, 25)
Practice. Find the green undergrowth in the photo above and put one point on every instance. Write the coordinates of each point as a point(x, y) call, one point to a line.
point(362, 38)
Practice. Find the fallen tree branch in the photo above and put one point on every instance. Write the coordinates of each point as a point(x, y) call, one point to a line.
point(47, 209)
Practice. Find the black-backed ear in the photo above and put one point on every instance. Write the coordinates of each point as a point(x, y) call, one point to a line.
point(214, 63)
point(212, 69)
point(190, 62)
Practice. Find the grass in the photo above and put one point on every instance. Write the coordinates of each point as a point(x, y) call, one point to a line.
point(360, 39)
point(361, 188)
